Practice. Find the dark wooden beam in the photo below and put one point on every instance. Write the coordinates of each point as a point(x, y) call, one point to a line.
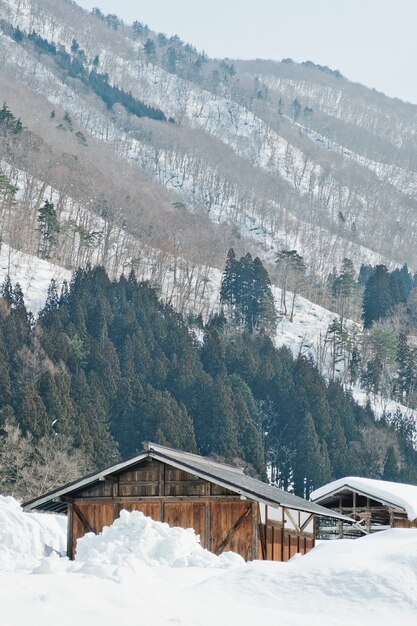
point(306, 523)
point(161, 480)
point(233, 530)
point(192, 482)
point(69, 530)
point(82, 518)
point(208, 524)
point(255, 529)
point(263, 537)
point(194, 498)
point(292, 520)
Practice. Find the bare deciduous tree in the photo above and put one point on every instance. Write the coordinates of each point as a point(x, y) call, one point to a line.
point(29, 468)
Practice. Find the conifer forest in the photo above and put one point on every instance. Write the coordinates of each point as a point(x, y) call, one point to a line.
point(107, 365)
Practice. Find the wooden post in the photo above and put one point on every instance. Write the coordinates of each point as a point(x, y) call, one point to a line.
point(70, 531)
point(391, 517)
point(255, 528)
point(263, 532)
point(161, 483)
point(115, 493)
point(208, 526)
point(299, 532)
point(208, 517)
point(315, 529)
point(84, 521)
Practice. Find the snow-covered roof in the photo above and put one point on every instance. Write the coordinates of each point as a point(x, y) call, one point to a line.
point(396, 494)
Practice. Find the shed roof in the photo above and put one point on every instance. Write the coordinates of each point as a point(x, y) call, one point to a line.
point(395, 494)
point(219, 473)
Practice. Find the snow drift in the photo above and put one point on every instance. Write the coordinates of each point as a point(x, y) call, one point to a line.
point(134, 536)
point(139, 570)
point(27, 537)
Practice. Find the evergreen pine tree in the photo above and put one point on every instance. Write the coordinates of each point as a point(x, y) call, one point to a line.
point(378, 299)
point(48, 229)
point(228, 286)
point(406, 368)
point(391, 472)
point(212, 353)
point(308, 466)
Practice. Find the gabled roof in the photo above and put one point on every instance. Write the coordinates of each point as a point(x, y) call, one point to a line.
point(205, 468)
point(398, 495)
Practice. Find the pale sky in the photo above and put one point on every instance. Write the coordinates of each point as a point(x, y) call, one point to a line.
point(370, 41)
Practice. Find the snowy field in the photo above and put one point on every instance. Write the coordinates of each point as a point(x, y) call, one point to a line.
point(143, 572)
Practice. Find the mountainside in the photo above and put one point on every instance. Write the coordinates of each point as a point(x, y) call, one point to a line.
point(127, 149)
point(163, 145)
point(107, 366)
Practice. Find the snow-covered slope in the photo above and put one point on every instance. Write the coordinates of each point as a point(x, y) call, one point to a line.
point(34, 275)
point(237, 165)
point(334, 178)
point(366, 582)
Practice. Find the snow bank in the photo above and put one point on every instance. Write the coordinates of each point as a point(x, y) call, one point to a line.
point(27, 537)
point(134, 536)
point(138, 571)
point(399, 494)
point(349, 581)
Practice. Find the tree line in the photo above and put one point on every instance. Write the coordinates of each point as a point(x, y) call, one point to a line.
point(107, 365)
point(74, 64)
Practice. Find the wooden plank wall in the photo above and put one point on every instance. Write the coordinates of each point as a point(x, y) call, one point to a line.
point(281, 544)
point(222, 519)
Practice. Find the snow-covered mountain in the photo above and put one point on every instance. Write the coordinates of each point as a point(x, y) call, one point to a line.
point(278, 154)
point(159, 159)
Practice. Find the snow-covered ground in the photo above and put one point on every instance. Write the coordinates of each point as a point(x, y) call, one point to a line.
point(139, 571)
point(306, 333)
point(34, 275)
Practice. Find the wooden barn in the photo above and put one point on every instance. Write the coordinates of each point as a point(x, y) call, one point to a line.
point(229, 510)
point(372, 505)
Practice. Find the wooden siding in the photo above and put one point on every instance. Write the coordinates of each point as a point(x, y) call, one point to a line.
point(404, 523)
point(223, 520)
point(279, 544)
point(88, 517)
point(150, 509)
point(187, 515)
point(223, 517)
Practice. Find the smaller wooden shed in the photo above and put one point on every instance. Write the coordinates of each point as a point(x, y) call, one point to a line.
point(372, 505)
point(229, 510)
